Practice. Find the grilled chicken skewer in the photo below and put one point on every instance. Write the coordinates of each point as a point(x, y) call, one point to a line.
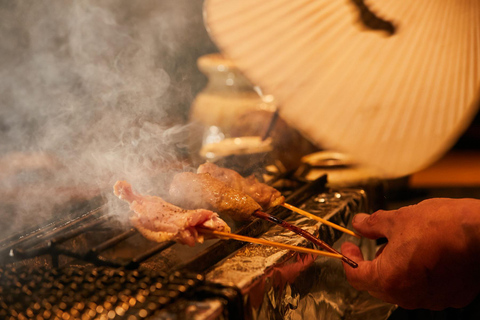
point(161, 221)
point(262, 193)
point(192, 191)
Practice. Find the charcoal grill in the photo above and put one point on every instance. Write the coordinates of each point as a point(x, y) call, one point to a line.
point(86, 265)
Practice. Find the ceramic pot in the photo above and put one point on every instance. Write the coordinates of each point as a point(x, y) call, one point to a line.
point(227, 96)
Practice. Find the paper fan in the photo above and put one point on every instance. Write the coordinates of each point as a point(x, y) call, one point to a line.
point(393, 83)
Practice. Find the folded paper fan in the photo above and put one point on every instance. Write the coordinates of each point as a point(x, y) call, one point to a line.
point(392, 83)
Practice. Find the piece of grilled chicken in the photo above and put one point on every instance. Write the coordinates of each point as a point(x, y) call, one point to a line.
point(201, 190)
point(159, 221)
point(266, 196)
point(192, 191)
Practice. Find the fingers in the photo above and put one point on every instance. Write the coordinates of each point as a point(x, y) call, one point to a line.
point(365, 276)
point(374, 226)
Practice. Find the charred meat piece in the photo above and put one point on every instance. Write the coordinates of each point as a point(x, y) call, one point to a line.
point(159, 221)
point(191, 190)
point(266, 196)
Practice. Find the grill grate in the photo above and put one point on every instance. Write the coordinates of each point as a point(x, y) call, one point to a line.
point(92, 293)
point(83, 282)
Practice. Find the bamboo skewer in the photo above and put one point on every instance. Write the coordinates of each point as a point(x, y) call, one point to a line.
point(312, 216)
point(226, 235)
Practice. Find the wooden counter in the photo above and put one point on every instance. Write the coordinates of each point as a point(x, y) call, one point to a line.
point(456, 168)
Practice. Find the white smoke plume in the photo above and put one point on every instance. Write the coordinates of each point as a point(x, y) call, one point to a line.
point(92, 92)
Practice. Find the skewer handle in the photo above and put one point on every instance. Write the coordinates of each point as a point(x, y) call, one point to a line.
point(305, 234)
point(314, 217)
point(226, 235)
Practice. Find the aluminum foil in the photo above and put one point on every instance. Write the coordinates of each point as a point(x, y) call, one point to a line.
point(280, 284)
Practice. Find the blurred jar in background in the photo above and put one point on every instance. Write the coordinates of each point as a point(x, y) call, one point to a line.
point(227, 95)
point(231, 106)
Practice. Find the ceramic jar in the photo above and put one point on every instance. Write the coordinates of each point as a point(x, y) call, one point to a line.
point(227, 96)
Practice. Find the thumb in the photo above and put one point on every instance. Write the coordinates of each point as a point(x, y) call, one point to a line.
point(374, 226)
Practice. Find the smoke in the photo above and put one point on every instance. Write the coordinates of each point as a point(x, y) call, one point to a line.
point(92, 92)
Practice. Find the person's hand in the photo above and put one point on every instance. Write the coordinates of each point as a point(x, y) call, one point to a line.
point(431, 259)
